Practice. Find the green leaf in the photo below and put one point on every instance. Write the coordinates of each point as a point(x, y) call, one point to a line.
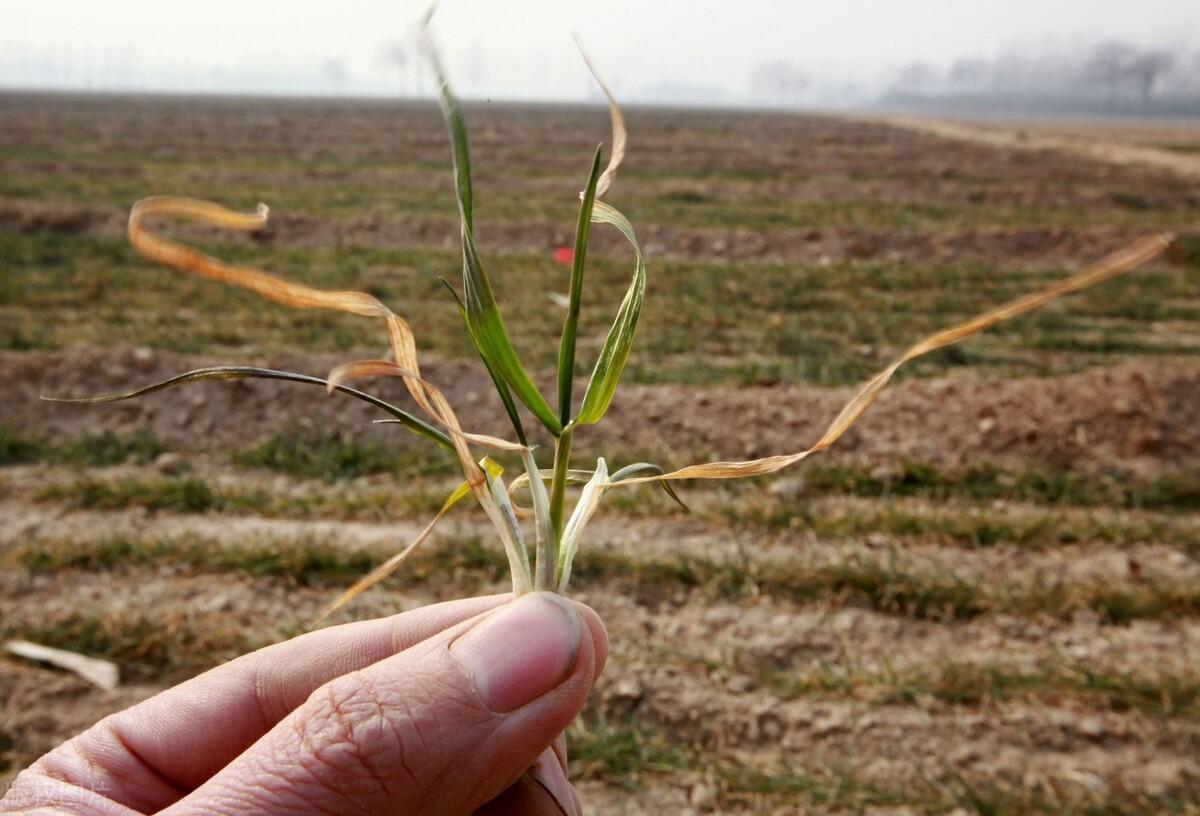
point(411, 422)
point(566, 347)
point(639, 468)
point(502, 388)
point(607, 372)
point(483, 315)
point(493, 341)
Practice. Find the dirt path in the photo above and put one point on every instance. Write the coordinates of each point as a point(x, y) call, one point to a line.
point(1042, 136)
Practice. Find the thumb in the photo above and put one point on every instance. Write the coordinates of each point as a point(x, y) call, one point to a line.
point(440, 728)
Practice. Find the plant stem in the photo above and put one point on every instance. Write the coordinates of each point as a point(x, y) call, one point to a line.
point(546, 564)
point(558, 485)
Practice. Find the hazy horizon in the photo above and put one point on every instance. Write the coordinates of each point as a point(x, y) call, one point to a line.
point(808, 54)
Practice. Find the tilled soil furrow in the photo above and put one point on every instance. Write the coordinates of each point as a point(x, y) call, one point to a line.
point(1136, 417)
point(657, 559)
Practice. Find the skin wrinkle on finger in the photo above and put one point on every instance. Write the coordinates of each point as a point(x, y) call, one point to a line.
point(321, 743)
point(301, 789)
point(340, 756)
point(146, 770)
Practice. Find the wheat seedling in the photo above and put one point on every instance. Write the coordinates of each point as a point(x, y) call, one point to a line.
point(544, 527)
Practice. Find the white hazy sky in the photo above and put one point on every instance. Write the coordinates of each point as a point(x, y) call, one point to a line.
point(523, 49)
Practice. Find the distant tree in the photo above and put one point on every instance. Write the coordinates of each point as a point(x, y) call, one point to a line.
point(1146, 68)
point(1109, 64)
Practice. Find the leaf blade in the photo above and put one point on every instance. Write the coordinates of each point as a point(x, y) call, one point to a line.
point(501, 386)
point(585, 508)
point(1117, 263)
point(629, 471)
point(619, 135)
point(487, 324)
point(606, 374)
point(414, 424)
point(184, 258)
point(566, 345)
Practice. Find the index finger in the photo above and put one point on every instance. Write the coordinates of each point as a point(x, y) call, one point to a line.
point(147, 756)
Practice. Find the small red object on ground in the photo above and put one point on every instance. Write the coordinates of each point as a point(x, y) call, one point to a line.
point(564, 255)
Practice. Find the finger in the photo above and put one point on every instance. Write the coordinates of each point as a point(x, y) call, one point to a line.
point(150, 755)
point(441, 728)
point(542, 791)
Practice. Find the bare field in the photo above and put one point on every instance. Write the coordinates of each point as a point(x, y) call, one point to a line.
point(985, 599)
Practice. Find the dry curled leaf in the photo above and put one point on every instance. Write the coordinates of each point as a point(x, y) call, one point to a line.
point(1118, 263)
point(619, 135)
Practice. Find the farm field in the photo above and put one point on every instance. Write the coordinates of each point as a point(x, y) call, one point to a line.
point(985, 599)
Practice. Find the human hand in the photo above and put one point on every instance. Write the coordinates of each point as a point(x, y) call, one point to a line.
point(455, 708)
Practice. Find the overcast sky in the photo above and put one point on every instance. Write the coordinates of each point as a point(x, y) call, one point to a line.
point(523, 48)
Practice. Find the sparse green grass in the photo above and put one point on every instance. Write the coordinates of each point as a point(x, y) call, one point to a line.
point(183, 495)
point(983, 483)
point(101, 450)
point(805, 323)
point(304, 561)
point(1180, 147)
point(878, 584)
point(333, 189)
point(1161, 694)
point(332, 459)
point(1032, 483)
point(161, 645)
point(193, 494)
point(959, 514)
point(16, 449)
point(957, 524)
point(870, 582)
point(639, 754)
point(328, 459)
